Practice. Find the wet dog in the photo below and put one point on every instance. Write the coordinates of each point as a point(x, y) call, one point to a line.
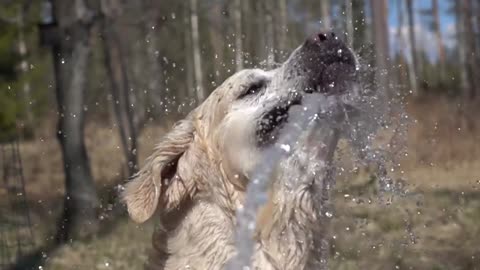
point(198, 173)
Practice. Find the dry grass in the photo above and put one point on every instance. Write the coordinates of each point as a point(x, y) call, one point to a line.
point(435, 227)
point(123, 248)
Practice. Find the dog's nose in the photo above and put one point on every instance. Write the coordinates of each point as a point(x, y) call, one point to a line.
point(323, 63)
point(328, 48)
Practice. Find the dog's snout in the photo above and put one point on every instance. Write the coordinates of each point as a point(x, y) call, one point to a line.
point(323, 63)
point(329, 48)
point(322, 37)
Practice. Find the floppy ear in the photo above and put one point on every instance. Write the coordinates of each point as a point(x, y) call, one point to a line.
point(157, 181)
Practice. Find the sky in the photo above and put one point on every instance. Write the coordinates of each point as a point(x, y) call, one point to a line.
point(446, 19)
point(424, 36)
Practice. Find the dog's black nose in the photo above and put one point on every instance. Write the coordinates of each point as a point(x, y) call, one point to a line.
point(323, 63)
point(328, 48)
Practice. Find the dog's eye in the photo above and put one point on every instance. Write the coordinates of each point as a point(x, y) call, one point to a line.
point(252, 89)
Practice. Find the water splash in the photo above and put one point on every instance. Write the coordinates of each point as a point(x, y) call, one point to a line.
point(256, 194)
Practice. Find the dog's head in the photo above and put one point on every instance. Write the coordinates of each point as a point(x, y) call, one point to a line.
point(231, 130)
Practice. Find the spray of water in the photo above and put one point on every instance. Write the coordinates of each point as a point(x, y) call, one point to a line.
point(313, 108)
point(372, 108)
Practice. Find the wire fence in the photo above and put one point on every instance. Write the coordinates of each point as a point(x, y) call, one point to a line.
point(16, 234)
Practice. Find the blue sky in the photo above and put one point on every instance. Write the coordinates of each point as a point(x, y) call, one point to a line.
point(446, 19)
point(423, 33)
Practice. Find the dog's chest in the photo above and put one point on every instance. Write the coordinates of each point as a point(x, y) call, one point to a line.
point(203, 239)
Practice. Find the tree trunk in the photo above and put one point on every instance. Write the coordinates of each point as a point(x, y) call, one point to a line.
point(325, 9)
point(360, 25)
point(349, 23)
point(71, 63)
point(237, 12)
point(380, 30)
point(471, 65)
point(149, 29)
point(413, 68)
point(197, 64)
point(22, 50)
point(460, 36)
point(217, 36)
point(190, 93)
point(401, 41)
point(261, 39)
point(269, 33)
point(283, 27)
point(438, 35)
point(119, 83)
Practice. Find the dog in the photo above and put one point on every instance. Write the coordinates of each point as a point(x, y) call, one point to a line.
point(197, 176)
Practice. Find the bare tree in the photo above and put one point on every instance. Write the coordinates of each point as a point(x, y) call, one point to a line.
point(349, 22)
point(460, 36)
point(269, 33)
point(149, 29)
point(119, 83)
point(237, 11)
point(325, 9)
point(217, 36)
point(24, 66)
point(403, 51)
point(438, 33)
point(380, 30)
point(188, 53)
point(471, 68)
point(197, 64)
point(413, 48)
point(283, 27)
point(71, 55)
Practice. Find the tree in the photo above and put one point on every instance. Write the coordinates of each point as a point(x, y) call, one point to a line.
point(217, 36)
point(237, 11)
point(349, 22)
point(197, 64)
point(188, 49)
point(269, 32)
point(403, 52)
point(325, 9)
point(380, 30)
point(71, 53)
point(283, 27)
point(359, 24)
point(413, 48)
point(438, 33)
point(433, 16)
point(119, 83)
point(24, 65)
point(471, 68)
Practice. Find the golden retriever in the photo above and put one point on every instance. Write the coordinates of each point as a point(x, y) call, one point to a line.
point(198, 174)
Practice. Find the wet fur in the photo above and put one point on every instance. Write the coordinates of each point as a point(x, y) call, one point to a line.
point(197, 177)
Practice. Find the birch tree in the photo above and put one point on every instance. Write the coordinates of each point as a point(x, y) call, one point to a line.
point(283, 27)
point(191, 91)
point(237, 12)
point(438, 33)
point(197, 64)
point(413, 48)
point(217, 36)
point(349, 22)
point(380, 30)
point(325, 10)
point(269, 33)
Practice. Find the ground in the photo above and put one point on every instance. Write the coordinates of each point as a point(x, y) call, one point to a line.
point(435, 225)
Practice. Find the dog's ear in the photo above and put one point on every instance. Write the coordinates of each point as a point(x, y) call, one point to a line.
point(157, 182)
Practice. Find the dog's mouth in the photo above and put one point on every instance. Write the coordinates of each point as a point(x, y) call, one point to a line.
point(273, 121)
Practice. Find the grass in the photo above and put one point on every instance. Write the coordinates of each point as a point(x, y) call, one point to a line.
point(436, 226)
